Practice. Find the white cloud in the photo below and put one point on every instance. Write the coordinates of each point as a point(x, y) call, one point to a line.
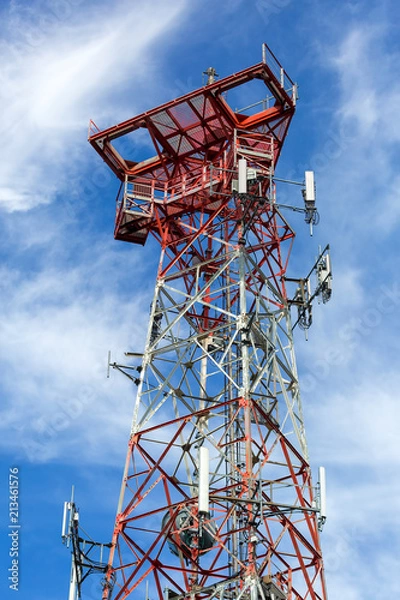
point(358, 196)
point(350, 366)
point(54, 81)
point(360, 180)
point(370, 93)
point(57, 327)
point(366, 416)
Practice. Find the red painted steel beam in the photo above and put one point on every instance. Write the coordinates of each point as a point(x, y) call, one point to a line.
point(259, 71)
point(212, 93)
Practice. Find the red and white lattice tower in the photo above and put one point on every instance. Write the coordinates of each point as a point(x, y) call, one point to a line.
point(216, 499)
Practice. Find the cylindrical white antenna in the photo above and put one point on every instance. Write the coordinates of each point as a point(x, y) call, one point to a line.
point(322, 494)
point(204, 471)
point(328, 262)
point(108, 364)
point(64, 522)
point(242, 176)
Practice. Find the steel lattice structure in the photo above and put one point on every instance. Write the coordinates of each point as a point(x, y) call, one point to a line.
point(218, 371)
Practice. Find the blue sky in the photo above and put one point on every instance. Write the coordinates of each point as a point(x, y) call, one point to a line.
point(70, 293)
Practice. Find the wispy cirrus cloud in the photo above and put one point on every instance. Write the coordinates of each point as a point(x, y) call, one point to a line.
point(361, 176)
point(66, 296)
point(350, 368)
point(57, 327)
point(57, 76)
point(365, 65)
point(63, 291)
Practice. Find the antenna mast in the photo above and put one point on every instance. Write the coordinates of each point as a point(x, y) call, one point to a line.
point(86, 554)
point(217, 499)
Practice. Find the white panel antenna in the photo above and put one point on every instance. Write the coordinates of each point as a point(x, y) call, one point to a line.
point(324, 277)
point(204, 472)
point(64, 522)
point(322, 498)
point(309, 196)
point(242, 174)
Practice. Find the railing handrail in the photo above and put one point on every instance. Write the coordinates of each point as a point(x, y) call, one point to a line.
point(275, 62)
point(148, 189)
point(93, 128)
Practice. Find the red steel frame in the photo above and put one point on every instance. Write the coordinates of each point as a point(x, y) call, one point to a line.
point(183, 196)
point(192, 135)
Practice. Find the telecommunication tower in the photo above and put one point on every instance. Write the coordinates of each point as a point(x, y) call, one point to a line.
point(217, 500)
